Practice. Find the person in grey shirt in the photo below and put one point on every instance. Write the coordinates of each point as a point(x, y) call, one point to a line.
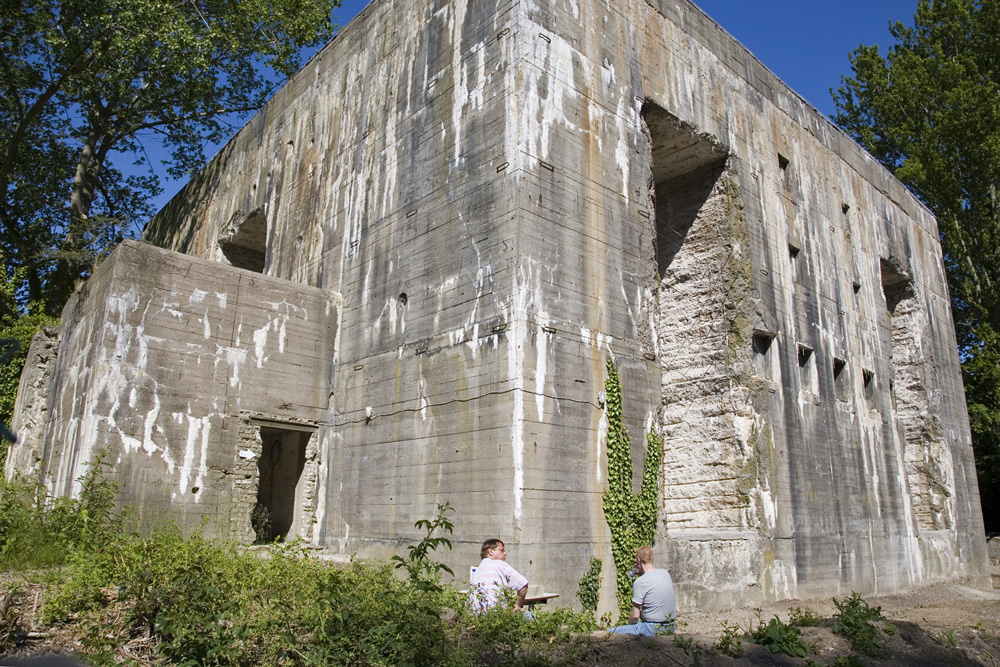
point(654, 605)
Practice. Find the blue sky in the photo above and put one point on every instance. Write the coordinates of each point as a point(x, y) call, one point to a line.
point(804, 42)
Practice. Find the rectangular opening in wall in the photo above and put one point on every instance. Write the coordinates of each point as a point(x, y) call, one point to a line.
point(282, 459)
point(243, 241)
point(868, 379)
point(685, 167)
point(763, 357)
point(841, 383)
point(786, 179)
point(896, 284)
point(793, 257)
point(807, 370)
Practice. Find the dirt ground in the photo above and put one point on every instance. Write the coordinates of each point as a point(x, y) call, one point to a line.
point(944, 624)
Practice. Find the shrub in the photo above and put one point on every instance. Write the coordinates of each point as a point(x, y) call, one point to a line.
point(777, 637)
point(729, 641)
point(803, 618)
point(855, 620)
point(37, 531)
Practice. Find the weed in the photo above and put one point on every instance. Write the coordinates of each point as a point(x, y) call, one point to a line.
point(687, 645)
point(777, 637)
point(855, 620)
point(730, 642)
point(848, 661)
point(37, 531)
point(947, 638)
point(803, 618)
point(424, 572)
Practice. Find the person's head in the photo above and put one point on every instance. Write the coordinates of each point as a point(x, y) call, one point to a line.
point(644, 555)
point(493, 548)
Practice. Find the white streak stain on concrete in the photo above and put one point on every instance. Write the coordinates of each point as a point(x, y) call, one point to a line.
point(602, 435)
point(197, 434)
point(459, 94)
point(517, 335)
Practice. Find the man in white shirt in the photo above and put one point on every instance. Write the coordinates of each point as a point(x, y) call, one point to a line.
point(493, 575)
point(654, 605)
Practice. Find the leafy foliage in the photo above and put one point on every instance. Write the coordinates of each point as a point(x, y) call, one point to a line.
point(87, 82)
point(424, 572)
point(803, 618)
point(856, 620)
point(929, 110)
point(187, 600)
point(730, 641)
point(38, 531)
point(589, 590)
point(777, 637)
point(687, 645)
point(631, 518)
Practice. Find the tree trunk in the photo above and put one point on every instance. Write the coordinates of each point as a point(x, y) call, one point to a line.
point(74, 259)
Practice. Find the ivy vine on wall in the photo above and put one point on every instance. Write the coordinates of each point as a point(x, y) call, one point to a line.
point(631, 518)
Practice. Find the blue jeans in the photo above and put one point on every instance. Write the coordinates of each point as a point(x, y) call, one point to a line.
point(644, 628)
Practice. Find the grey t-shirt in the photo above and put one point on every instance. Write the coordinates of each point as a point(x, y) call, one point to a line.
point(654, 593)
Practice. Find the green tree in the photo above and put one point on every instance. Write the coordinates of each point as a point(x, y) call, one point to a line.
point(85, 82)
point(929, 110)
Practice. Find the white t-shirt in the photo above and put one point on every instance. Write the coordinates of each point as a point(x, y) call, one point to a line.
point(654, 593)
point(491, 576)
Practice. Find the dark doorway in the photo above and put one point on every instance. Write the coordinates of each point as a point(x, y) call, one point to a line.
point(283, 457)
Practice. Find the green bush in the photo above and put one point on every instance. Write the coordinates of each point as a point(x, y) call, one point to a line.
point(729, 641)
point(856, 620)
point(188, 600)
point(803, 618)
point(777, 637)
point(37, 531)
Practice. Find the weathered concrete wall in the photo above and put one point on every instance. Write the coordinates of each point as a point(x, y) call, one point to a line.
point(162, 357)
point(505, 194)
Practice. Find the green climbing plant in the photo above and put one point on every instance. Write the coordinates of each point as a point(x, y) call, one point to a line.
point(631, 518)
point(590, 586)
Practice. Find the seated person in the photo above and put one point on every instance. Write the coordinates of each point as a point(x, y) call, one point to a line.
point(654, 606)
point(493, 575)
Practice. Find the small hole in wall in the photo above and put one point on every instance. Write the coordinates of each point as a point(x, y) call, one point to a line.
point(403, 299)
point(805, 353)
point(857, 287)
point(841, 384)
point(764, 363)
point(195, 489)
point(868, 378)
point(786, 179)
point(762, 342)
